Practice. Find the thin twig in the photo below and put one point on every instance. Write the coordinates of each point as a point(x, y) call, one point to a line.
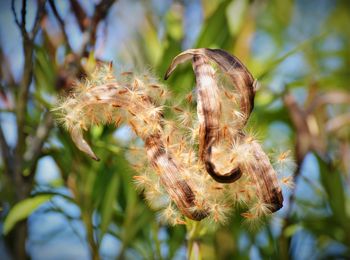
point(60, 22)
point(79, 13)
point(23, 13)
point(58, 209)
point(39, 15)
point(21, 25)
point(336, 123)
point(101, 12)
point(14, 13)
point(22, 98)
point(5, 151)
point(32, 155)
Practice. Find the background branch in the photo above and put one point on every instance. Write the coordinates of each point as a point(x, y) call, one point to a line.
point(36, 142)
point(61, 23)
point(5, 151)
point(22, 98)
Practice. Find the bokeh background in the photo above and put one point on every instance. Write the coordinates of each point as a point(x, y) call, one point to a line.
point(58, 204)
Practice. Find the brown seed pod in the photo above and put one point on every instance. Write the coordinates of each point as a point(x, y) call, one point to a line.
point(209, 112)
point(179, 190)
point(208, 102)
point(263, 176)
point(240, 77)
point(113, 98)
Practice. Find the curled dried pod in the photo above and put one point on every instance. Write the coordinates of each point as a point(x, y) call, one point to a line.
point(112, 102)
point(179, 190)
point(240, 76)
point(258, 166)
point(208, 102)
point(262, 175)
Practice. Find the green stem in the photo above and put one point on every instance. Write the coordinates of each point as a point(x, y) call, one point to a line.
point(193, 229)
point(87, 219)
point(156, 240)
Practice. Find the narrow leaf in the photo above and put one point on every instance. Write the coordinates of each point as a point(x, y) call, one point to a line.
point(332, 182)
point(109, 200)
point(22, 210)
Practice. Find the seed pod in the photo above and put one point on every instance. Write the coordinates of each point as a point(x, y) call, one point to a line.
point(208, 111)
point(178, 189)
point(208, 102)
point(240, 77)
point(258, 166)
point(80, 142)
point(111, 98)
point(260, 170)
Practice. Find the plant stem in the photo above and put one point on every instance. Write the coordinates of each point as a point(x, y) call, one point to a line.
point(155, 231)
point(193, 230)
point(87, 219)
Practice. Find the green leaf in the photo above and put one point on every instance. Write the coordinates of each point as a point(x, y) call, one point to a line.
point(291, 230)
point(174, 24)
point(150, 45)
point(332, 182)
point(44, 71)
point(22, 210)
point(209, 36)
point(235, 13)
point(109, 201)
